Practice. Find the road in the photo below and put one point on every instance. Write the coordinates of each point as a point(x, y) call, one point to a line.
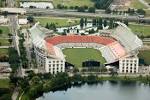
point(71, 13)
point(15, 94)
point(5, 47)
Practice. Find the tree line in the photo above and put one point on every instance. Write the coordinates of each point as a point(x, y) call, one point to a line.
point(34, 85)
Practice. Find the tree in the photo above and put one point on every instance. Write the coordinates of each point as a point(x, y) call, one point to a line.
point(126, 22)
point(111, 23)
point(94, 22)
point(81, 23)
point(30, 19)
point(108, 11)
point(141, 12)
point(131, 11)
point(91, 10)
point(77, 30)
point(85, 21)
point(14, 63)
point(47, 26)
point(1, 31)
point(91, 31)
point(10, 41)
point(5, 13)
point(81, 9)
point(105, 23)
point(100, 22)
point(59, 6)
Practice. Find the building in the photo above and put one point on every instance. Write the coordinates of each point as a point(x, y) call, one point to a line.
point(121, 45)
point(5, 70)
point(40, 5)
point(144, 70)
point(22, 21)
point(129, 65)
point(3, 20)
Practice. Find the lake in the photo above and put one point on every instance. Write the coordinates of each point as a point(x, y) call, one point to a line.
point(102, 91)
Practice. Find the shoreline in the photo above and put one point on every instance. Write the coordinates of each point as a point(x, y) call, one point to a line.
point(91, 80)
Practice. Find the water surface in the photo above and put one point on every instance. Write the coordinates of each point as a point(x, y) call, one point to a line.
point(103, 91)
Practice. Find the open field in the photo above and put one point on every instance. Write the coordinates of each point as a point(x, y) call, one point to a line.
point(3, 52)
point(36, 0)
point(140, 29)
point(77, 55)
point(5, 31)
point(1, 3)
point(147, 1)
point(58, 21)
point(4, 83)
point(137, 5)
point(4, 42)
point(145, 55)
point(69, 3)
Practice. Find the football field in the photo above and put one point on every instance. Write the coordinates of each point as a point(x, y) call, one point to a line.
point(78, 55)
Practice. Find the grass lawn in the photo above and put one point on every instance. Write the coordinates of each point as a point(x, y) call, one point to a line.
point(5, 31)
point(3, 52)
point(140, 29)
point(4, 83)
point(147, 1)
point(69, 3)
point(145, 55)
point(1, 3)
point(60, 22)
point(4, 42)
point(137, 5)
point(77, 55)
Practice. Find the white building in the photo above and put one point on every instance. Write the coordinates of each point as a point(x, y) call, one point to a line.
point(23, 21)
point(129, 65)
point(49, 58)
point(3, 20)
point(42, 5)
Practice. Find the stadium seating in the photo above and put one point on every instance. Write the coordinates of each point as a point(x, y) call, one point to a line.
point(80, 39)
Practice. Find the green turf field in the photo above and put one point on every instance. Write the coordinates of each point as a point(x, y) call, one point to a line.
point(77, 55)
point(140, 29)
point(145, 55)
point(69, 3)
point(5, 31)
point(59, 22)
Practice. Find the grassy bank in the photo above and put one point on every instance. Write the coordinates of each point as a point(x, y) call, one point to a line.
point(3, 52)
point(5, 31)
point(4, 42)
point(137, 5)
point(140, 29)
point(4, 83)
point(145, 55)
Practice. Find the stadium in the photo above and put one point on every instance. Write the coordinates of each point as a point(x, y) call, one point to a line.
point(120, 45)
